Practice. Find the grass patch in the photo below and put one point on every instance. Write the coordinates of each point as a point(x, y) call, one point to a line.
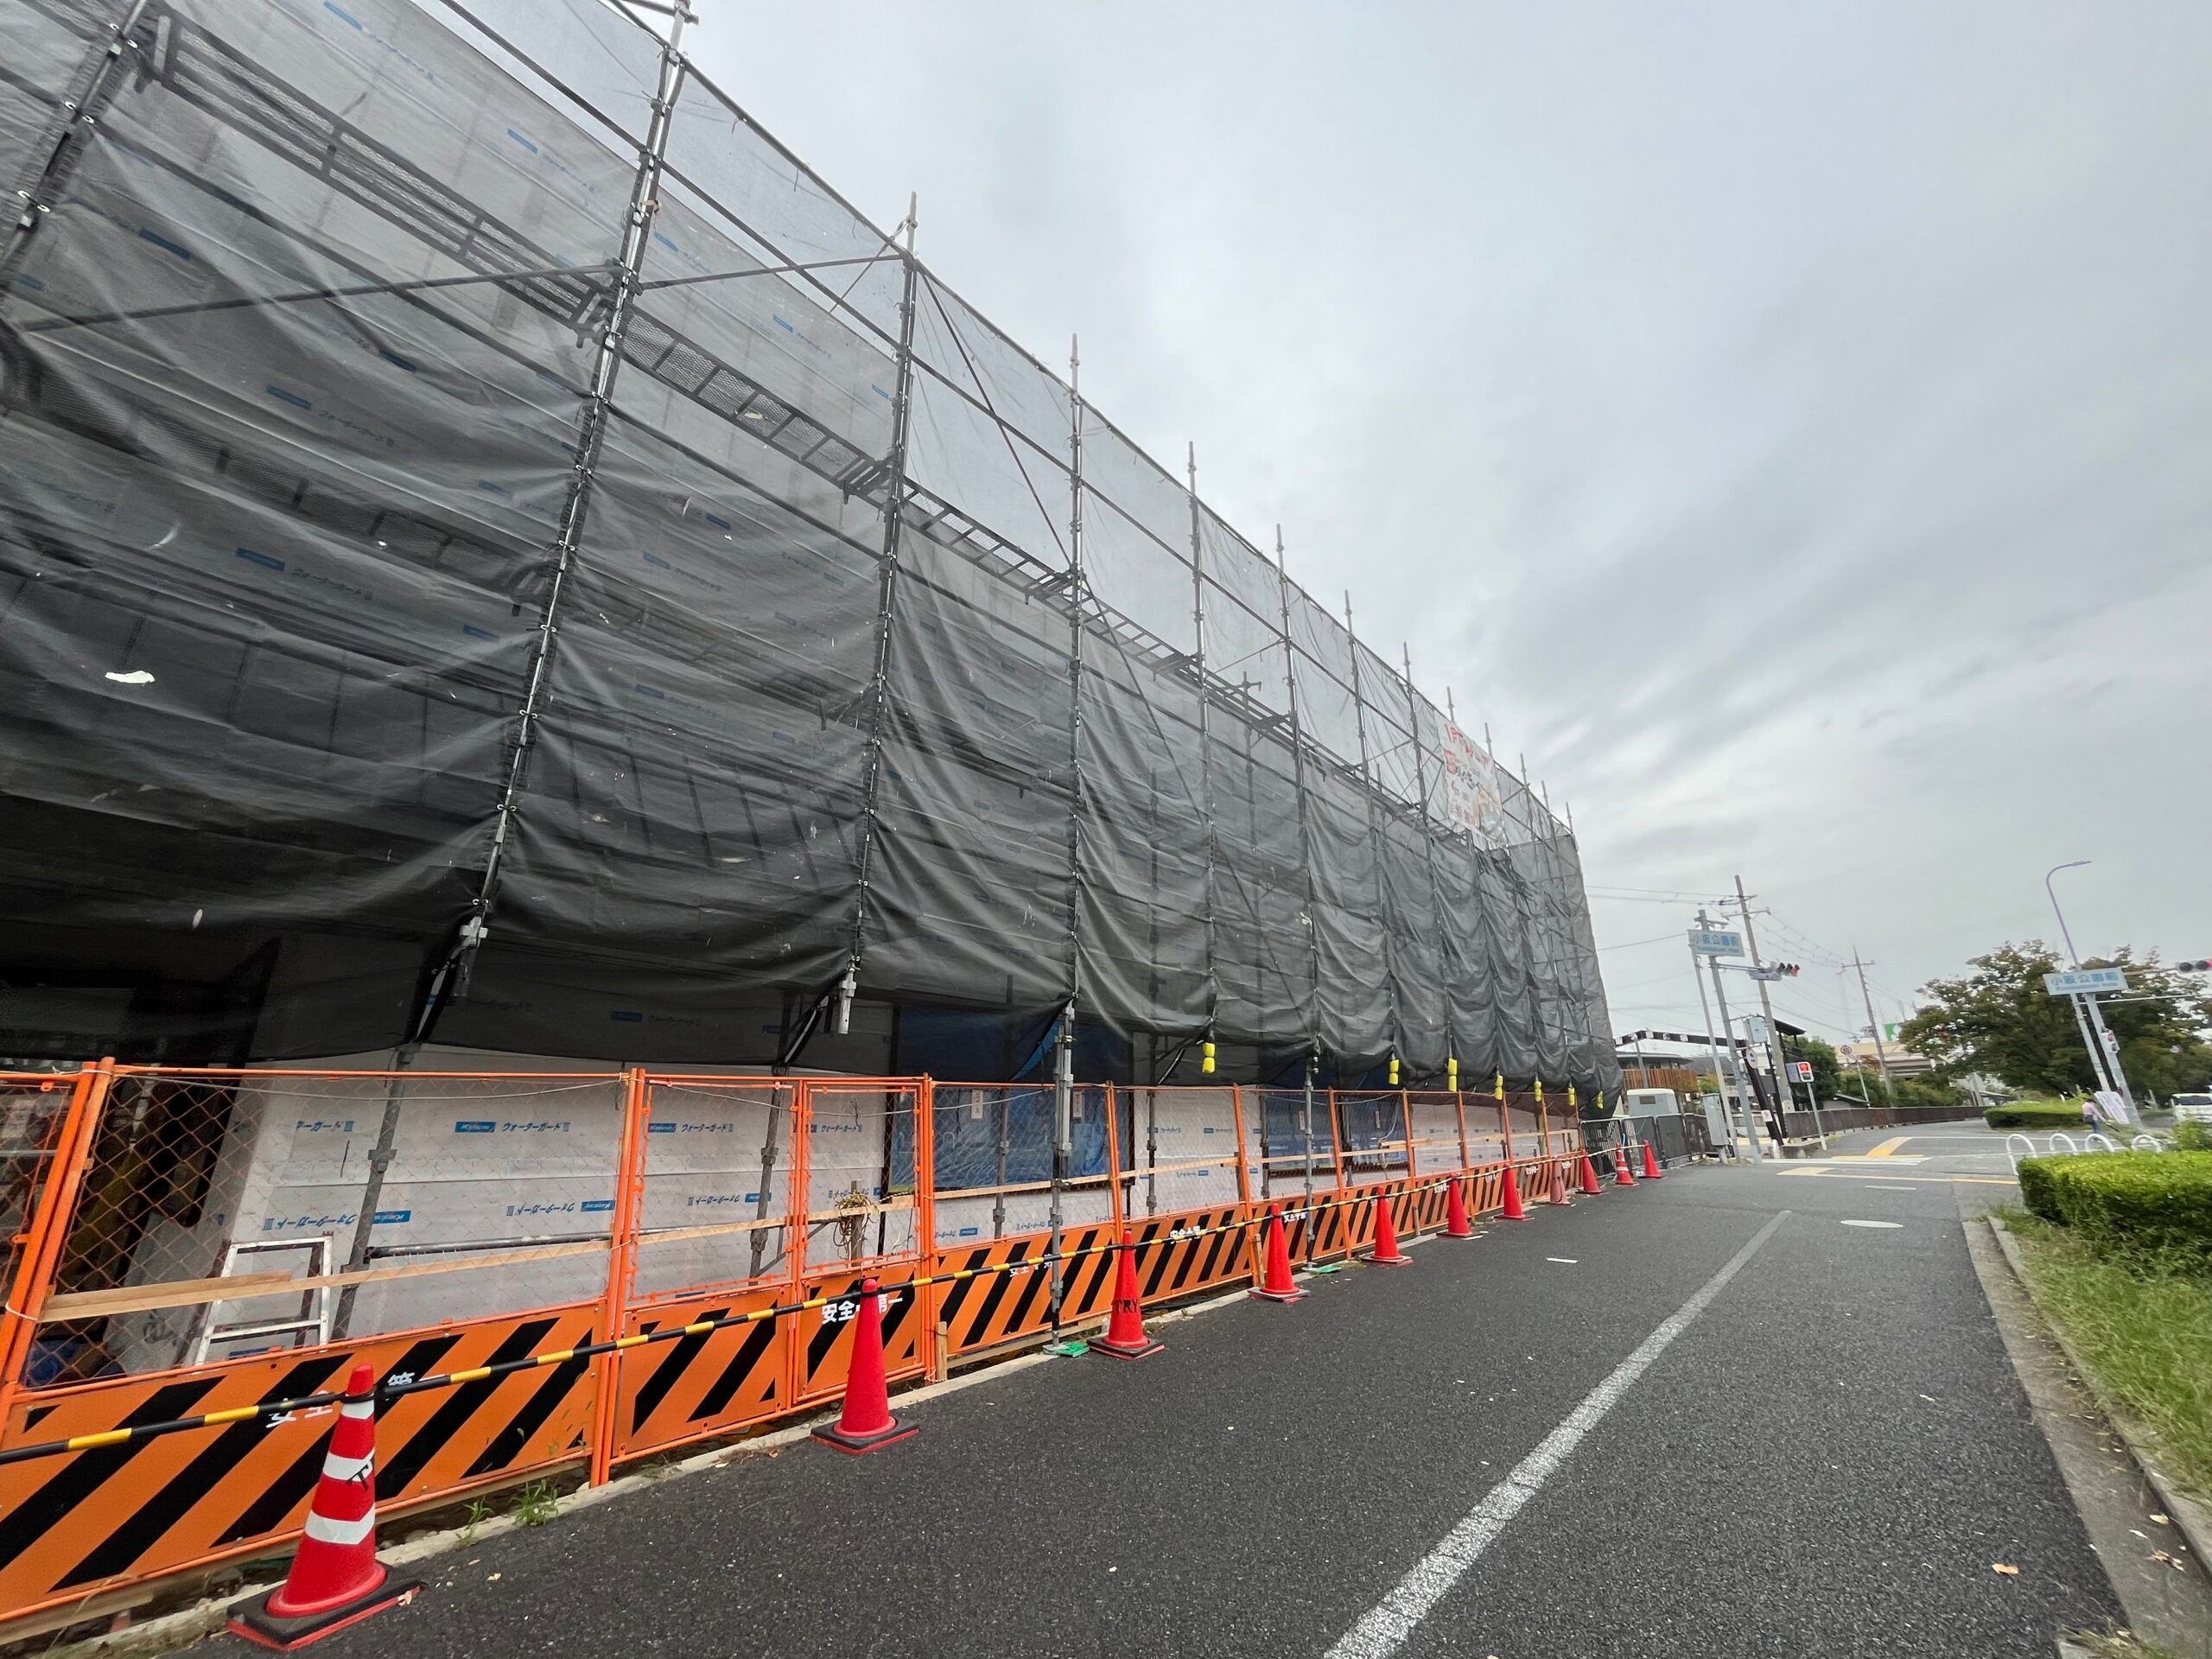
point(536, 1503)
point(2140, 1322)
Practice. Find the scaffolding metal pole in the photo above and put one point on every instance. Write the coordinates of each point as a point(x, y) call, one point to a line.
point(1305, 849)
point(1078, 610)
point(1428, 854)
point(1582, 939)
point(1372, 790)
point(894, 507)
point(94, 88)
point(1472, 848)
point(452, 978)
point(1205, 746)
point(1539, 942)
point(1559, 946)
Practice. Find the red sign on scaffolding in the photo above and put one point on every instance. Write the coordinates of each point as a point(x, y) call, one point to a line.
point(1470, 799)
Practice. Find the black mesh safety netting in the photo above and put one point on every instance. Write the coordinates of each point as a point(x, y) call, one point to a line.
point(443, 602)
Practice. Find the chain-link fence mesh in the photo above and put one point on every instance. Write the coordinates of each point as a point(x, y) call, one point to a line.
point(1487, 1118)
point(994, 1159)
point(350, 1203)
point(1433, 1121)
point(715, 1196)
point(1183, 1149)
point(1527, 1128)
point(863, 1175)
point(1297, 1147)
point(222, 1214)
point(1371, 1135)
point(33, 1108)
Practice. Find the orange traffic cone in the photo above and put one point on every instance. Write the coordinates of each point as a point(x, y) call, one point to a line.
point(1455, 1210)
point(866, 1422)
point(1513, 1210)
point(1651, 1171)
point(1623, 1175)
point(1558, 1194)
point(1277, 1286)
point(1590, 1177)
point(1125, 1338)
point(1386, 1253)
point(336, 1578)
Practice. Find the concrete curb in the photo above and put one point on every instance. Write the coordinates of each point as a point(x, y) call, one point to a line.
point(2191, 1518)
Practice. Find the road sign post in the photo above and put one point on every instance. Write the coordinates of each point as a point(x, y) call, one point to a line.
point(1713, 943)
point(2086, 982)
point(2081, 987)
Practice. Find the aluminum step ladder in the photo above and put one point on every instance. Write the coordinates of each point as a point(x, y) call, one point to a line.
point(308, 1328)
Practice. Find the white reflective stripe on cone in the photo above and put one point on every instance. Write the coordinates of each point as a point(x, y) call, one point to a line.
point(358, 1408)
point(324, 1530)
point(338, 1468)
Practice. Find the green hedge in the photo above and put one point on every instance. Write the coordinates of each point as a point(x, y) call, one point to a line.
point(2034, 1115)
point(2158, 1201)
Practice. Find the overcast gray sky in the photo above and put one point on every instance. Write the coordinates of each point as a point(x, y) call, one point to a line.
point(1790, 425)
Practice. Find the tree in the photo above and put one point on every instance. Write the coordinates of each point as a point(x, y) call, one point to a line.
point(1997, 1020)
point(1825, 1076)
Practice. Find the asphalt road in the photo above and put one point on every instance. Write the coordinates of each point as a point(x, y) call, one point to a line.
point(1831, 1458)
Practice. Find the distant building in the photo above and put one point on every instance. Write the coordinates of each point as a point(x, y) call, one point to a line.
point(1685, 1061)
point(1902, 1062)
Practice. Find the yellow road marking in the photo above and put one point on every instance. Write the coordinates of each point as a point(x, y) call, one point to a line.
point(1887, 1146)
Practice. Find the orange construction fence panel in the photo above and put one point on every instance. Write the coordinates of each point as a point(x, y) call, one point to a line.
point(184, 1241)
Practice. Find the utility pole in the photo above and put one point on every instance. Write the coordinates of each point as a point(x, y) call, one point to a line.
point(1873, 1027)
point(1778, 1064)
point(1728, 1039)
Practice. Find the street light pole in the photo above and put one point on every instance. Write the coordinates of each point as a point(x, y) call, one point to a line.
point(2051, 893)
point(2104, 1053)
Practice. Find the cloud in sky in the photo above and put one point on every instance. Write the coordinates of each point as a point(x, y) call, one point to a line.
point(1791, 427)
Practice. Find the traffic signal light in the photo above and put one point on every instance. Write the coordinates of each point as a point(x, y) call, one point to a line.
point(2193, 967)
point(1787, 968)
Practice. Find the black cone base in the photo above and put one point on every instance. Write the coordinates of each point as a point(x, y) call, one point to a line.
point(258, 1625)
point(1114, 1350)
point(853, 1445)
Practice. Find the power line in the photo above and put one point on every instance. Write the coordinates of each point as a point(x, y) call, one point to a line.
point(1649, 898)
point(1663, 938)
point(1663, 893)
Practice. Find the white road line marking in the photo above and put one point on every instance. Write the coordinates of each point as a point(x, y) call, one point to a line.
point(1385, 1627)
point(1886, 1187)
point(1872, 1224)
point(1564, 1261)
